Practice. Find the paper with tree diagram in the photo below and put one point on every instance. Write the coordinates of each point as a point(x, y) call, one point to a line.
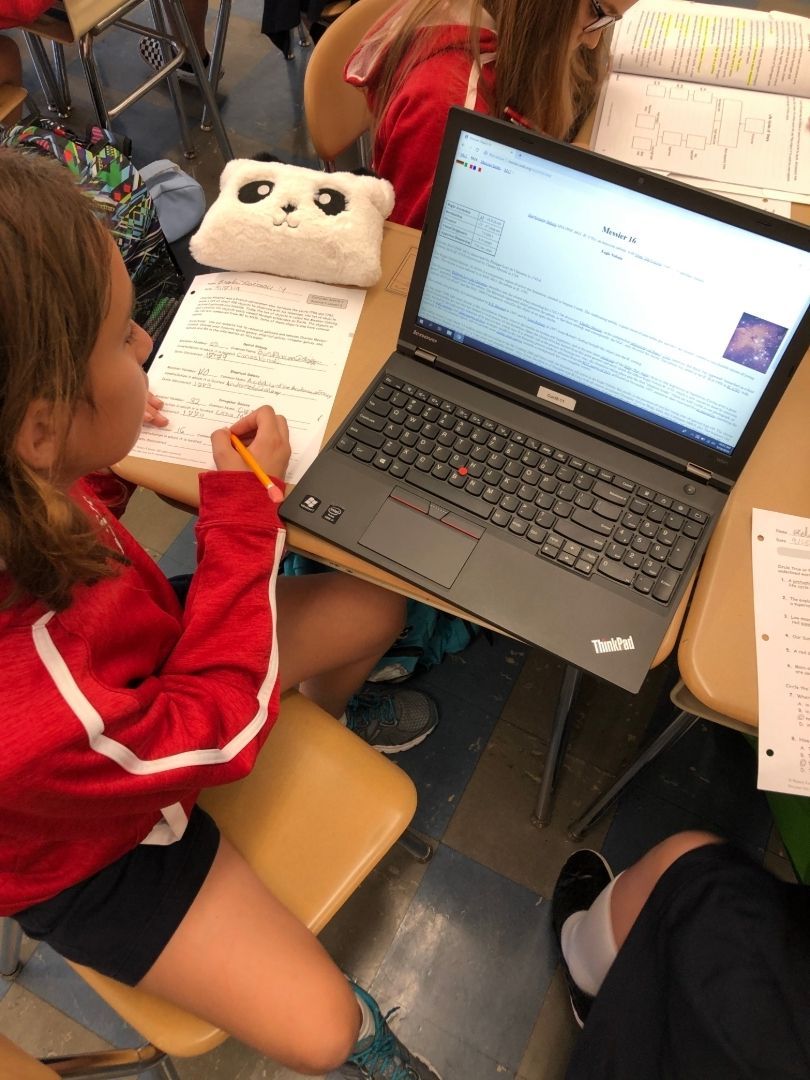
point(714, 93)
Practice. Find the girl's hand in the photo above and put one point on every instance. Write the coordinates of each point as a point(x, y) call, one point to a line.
point(152, 413)
point(267, 435)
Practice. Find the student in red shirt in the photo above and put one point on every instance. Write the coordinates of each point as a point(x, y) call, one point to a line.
point(544, 59)
point(118, 704)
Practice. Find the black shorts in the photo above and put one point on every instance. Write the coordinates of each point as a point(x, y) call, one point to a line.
point(712, 983)
point(119, 920)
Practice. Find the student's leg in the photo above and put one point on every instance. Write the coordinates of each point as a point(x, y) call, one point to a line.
point(196, 11)
point(593, 913)
point(332, 630)
point(633, 887)
point(240, 960)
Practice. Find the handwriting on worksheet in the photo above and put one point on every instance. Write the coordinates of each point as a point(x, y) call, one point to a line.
point(239, 341)
point(781, 560)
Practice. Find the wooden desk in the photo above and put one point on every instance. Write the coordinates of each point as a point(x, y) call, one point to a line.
point(375, 339)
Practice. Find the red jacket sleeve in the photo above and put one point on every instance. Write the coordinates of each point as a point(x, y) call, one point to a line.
point(136, 713)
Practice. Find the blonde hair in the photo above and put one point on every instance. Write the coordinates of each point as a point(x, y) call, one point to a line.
point(536, 72)
point(54, 295)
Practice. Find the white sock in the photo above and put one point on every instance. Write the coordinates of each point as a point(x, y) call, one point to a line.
point(588, 944)
point(367, 1024)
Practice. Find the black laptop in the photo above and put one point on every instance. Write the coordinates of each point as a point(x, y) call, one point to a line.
point(588, 355)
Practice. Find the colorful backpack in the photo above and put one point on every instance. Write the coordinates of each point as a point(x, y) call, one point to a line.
point(101, 161)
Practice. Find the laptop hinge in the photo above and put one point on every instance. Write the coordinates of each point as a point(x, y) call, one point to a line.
point(696, 470)
point(423, 354)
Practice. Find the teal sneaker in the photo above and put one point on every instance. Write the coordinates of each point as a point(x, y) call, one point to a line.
point(382, 1056)
point(392, 720)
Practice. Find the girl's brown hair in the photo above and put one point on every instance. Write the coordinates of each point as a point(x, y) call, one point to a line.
point(54, 294)
point(536, 72)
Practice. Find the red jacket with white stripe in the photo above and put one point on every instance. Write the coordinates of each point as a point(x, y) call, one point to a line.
point(410, 133)
point(115, 712)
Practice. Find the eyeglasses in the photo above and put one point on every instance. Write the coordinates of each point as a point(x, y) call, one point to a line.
point(602, 19)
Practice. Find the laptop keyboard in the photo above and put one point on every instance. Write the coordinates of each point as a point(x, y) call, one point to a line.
point(570, 511)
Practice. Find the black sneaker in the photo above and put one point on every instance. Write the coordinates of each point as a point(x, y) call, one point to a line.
point(151, 54)
point(392, 720)
point(583, 876)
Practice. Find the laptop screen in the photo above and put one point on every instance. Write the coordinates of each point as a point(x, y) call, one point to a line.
point(668, 315)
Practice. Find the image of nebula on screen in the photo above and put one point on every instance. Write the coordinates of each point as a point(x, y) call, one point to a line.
point(754, 342)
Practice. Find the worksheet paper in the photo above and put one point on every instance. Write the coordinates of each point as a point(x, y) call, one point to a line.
point(781, 559)
point(239, 341)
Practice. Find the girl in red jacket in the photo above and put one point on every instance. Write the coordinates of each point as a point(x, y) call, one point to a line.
point(544, 59)
point(117, 704)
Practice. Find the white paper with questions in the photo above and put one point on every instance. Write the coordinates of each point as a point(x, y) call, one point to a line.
point(239, 341)
point(781, 561)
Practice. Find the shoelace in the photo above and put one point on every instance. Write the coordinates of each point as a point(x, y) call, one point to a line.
point(381, 1060)
point(365, 707)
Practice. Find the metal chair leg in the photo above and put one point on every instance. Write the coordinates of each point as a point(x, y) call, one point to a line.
point(562, 710)
point(10, 942)
point(678, 727)
point(420, 849)
point(177, 17)
point(217, 52)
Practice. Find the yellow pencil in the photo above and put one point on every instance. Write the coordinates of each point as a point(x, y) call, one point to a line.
point(256, 468)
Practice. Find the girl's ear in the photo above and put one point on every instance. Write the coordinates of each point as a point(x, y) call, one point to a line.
point(38, 441)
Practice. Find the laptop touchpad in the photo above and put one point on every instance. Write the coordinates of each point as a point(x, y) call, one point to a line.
point(422, 543)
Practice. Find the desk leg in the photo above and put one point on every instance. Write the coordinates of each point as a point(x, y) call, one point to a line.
point(565, 699)
point(10, 941)
point(679, 726)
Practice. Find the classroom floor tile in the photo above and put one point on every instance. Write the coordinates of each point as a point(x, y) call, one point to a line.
point(469, 967)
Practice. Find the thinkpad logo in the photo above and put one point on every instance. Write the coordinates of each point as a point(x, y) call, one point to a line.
point(613, 644)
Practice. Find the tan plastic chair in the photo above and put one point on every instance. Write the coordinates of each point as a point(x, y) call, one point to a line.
point(336, 113)
point(85, 20)
point(10, 98)
point(315, 816)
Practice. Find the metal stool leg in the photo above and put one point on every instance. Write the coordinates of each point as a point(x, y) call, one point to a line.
point(217, 52)
point(45, 75)
point(60, 71)
point(93, 81)
point(562, 710)
point(10, 942)
point(679, 726)
point(177, 17)
point(173, 84)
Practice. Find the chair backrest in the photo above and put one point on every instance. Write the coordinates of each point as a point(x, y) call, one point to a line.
point(336, 113)
point(313, 818)
point(15, 1064)
point(10, 98)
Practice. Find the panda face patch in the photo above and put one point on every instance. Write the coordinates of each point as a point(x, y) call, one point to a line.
point(295, 222)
